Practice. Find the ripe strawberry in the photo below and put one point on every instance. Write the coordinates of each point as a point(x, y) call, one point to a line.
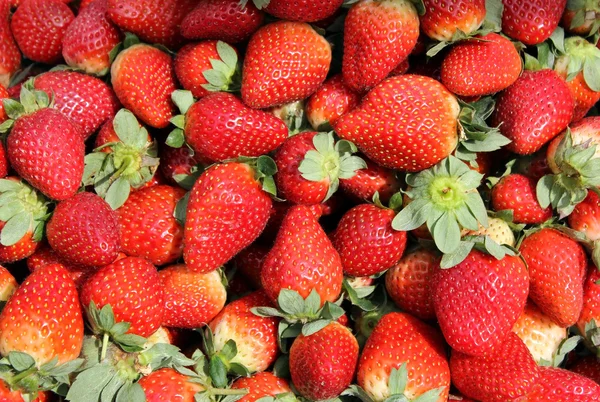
point(331, 101)
point(400, 134)
point(532, 111)
point(370, 180)
point(408, 283)
point(301, 239)
point(322, 364)
point(249, 263)
point(39, 26)
point(90, 38)
point(556, 384)
point(285, 62)
point(8, 284)
point(143, 78)
point(303, 10)
point(10, 55)
point(133, 289)
point(557, 274)
point(401, 339)
point(255, 336)
point(3, 95)
point(44, 255)
point(531, 22)
point(378, 35)
point(442, 19)
point(227, 211)
point(591, 301)
point(179, 166)
point(191, 299)
point(168, 384)
point(586, 217)
point(261, 385)
point(587, 366)
point(516, 192)
point(43, 318)
point(222, 20)
point(87, 100)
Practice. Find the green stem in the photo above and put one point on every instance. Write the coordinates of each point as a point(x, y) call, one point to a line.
point(105, 339)
point(223, 391)
point(24, 374)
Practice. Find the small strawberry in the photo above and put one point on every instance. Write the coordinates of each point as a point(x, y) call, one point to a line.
point(531, 22)
point(331, 101)
point(303, 10)
point(44, 255)
point(179, 166)
point(261, 385)
point(285, 62)
point(168, 384)
point(517, 193)
point(191, 299)
point(370, 180)
point(249, 263)
point(442, 19)
point(580, 17)
point(498, 230)
point(10, 55)
point(3, 95)
point(132, 287)
point(556, 384)
point(587, 366)
point(585, 217)
point(8, 284)
point(378, 35)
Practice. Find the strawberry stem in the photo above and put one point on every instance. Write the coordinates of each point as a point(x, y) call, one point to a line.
point(105, 339)
point(23, 375)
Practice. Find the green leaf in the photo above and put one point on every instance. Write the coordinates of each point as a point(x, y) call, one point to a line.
point(558, 39)
point(494, 248)
point(227, 54)
point(12, 108)
point(290, 302)
point(446, 233)
point(412, 216)
point(181, 208)
point(358, 392)
point(531, 63)
point(176, 138)
point(354, 298)
point(106, 318)
point(266, 166)
point(433, 395)
point(543, 188)
point(183, 100)
point(477, 208)
point(332, 311)
point(494, 10)
point(239, 370)
point(20, 361)
point(127, 127)
point(111, 390)
point(131, 393)
point(89, 384)
point(458, 256)
point(312, 303)
point(218, 371)
point(229, 350)
point(591, 73)
point(314, 326)
point(67, 368)
point(15, 229)
point(118, 192)
point(178, 121)
point(398, 380)
point(266, 312)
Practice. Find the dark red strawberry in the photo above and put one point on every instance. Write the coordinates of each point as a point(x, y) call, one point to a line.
point(332, 100)
point(303, 10)
point(587, 366)
point(3, 95)
point(517, 193)
point(179, 166)
point(249, 263)
point(10, 56)
point(4, 165)
point(442, 19)
point(591, 303)
point(531, 22)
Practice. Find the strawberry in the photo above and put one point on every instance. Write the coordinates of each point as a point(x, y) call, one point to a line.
point(471, 67)
point(8, 284)
point(587, 366)
point(478, 301)
point(370, 180)
point(580, 17)
point(3, 95)
point(143, 78)
point(39, 26)
point(331, 101)
point(443, 19)
point(179, 166)
point(249, 263)
point(591, 303)
point(301, 239)
point(167, 384)
point(303, 10)
point(4, 165)
point(191, 299)
point(406, 136)
point(226, 212)
point(222, 20)
point(285, 62)
point(556, 273)
point(84, 230)
point(498, 230)
point(586, 217)
point(15, 396)
point(556, 384)
point(408, 283)
point(516, 192)
point(322, 364)
point(261, 385)
point(378, 35)
point(153, 21)
point(534, 110)
point(531, 22)
point(44, 255)
point(133, 289)
point(87, 100)
point(10, 55)
point(89, 39)
point(505, 373)
point(402, 341)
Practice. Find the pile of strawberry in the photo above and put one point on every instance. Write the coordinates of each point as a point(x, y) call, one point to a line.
point(310, 200)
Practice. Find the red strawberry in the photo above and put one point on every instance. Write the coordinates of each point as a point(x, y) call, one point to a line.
point(20, 250)
point(222, 20)
point(44, 255)
point(303, 10)
point(3, 95)
point(392, 127)
point(370, 180)
point(302, 259)
point(516, 192)
point(39, 26)
point(378, 35)
point(147, 225)
point(226, 212)
point(10, 56)
point(143, 78)
point(249, 263)
point(401, 339)
point(532, 111)
point(133, 289)
point(8, 284)
point(442, 19)
point(191, 299)
point(556, 384)
point(261, 385)
point(586, 217)
point(90, 38)
point(408, 283)
point(285, 62)
point(591, 301)
point(531, 22)
point(478, 301)
point(4, 165)
point(8, 395)
point(331, 101)
point(168, 384)
point(587, 366)
point(43, 318)
point(557, 274)
point(179, 166)
point(322, 364)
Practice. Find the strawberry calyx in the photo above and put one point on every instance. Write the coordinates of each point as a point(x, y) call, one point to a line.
point(260, 4)
point(566, 346)
point(577, 55)
point(293, 115)
point(591, 335)
point(283, 397)
point(364, 297)
point(220, 362)
point(31, 100)
point(586, 14)
point(183, 100)
point(481, 243)
point(225, 75)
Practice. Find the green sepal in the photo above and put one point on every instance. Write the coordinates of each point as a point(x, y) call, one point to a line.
point(102, 322)
point(264, 169)
point(566, 346)
point(481, 243)
point(225, 72)
point(183, 99)
point(260, 4)
point(360, 296)
point(24, 210)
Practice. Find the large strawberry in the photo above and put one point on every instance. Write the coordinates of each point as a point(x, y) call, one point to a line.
point(10, 56)
point(392, 127)
point(167, 384)
point(442, 20)
point(261, 385)
point(378, 35)
point(331, 101)
point(531, 22)
point(516, 192)
point(285, 62)
point(303, 10)
point(558, 384)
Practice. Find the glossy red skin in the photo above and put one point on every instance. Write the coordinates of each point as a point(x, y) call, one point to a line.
point(176, 161)
point(561, 385)
point(260, 385)
point(191, 62)
point(46, 148)
point(10, 55)
point(249, 263)
point(505, 373)
point(591, 300)
point(153, 21)
point(534, 110)
point(366, 242)
point(38, 27)
point(303, 10)
point(531, 22)
point(400, 338)
point(167, 384)
point(366, 182)
point(18, 251)
point(227, 211)
point(584, 97)
point(377, 37)
point(322, 365)
point(220, 127)
point(90, 38)
point(586, 216)
point(392, 128)
point(191, 299)
point(44, 255)
point(285, 61)
point(4, 165)
point(302, 258)
point(143, 78)
point(478, 301)
point(86, 100)
point(587, 366)
point(133, 288)
point(557, 274)
point(43, 317)
point(222, 20)
point(3, 95)
point(443, 18)
point(331, 101)
point(517, 193)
